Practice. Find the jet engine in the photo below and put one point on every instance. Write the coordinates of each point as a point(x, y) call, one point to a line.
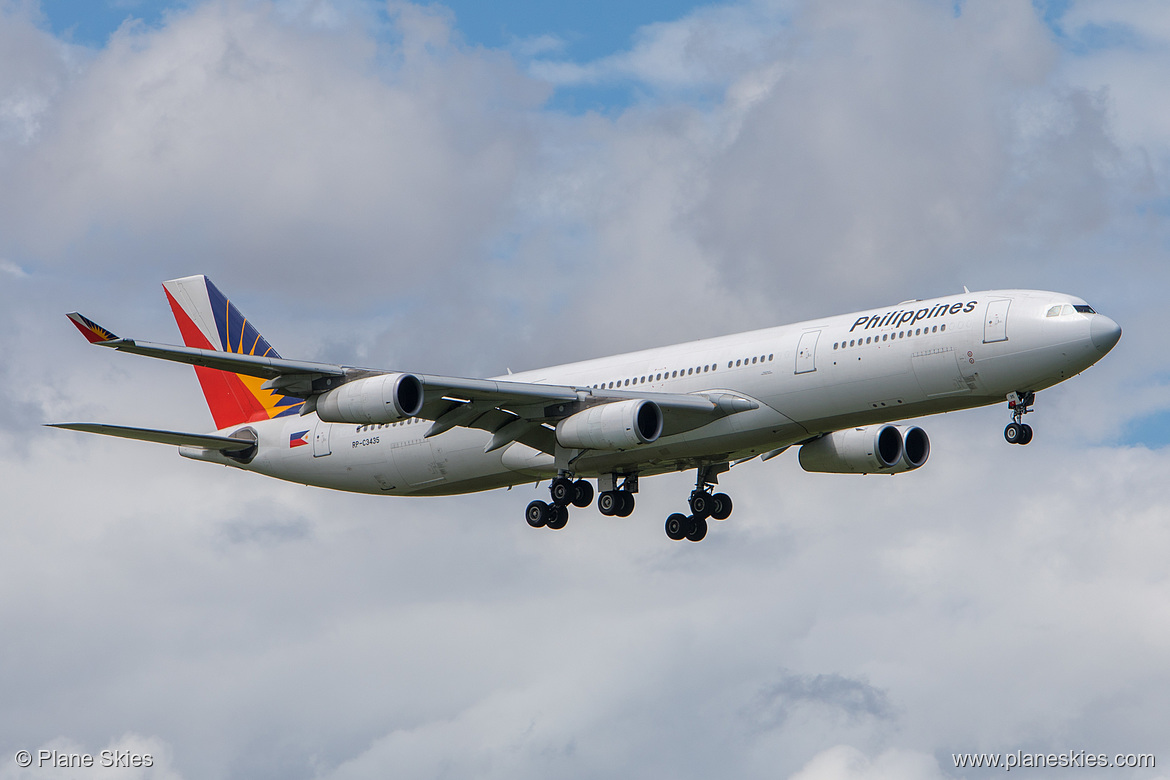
point(915, 447)
point(377, 399)
point(874, 449)
point(613, 426)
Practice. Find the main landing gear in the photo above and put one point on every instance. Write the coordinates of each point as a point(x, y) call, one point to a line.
point(1019, 432)
point(563, 491)
point(616, 500)
point(703, 505)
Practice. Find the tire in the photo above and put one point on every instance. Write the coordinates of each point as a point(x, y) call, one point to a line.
point(608, 503)
point(697, 530)
point(558, 516)
point(583, 496)
point(627, 504)
point(722, 508)
point(1027, 437)
point(676, 526)
point(1013, 433)
point(701, 504)
point(537, 514)
point(562, 491)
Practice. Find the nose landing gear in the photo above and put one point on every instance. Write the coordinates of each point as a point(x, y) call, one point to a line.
point(1018, 432)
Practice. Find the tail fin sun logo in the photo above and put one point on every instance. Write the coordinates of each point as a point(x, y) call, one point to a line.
point(208, 320)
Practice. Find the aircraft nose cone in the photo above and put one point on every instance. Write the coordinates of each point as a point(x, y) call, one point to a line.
point(1104, 332)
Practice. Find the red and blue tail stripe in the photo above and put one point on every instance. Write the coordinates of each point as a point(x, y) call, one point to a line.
point(208, 320)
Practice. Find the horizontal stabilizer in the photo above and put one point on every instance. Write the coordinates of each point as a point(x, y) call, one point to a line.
point(207, 441)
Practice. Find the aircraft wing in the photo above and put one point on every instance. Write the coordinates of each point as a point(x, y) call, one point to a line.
point(522, 411)
point(250, 365)
point(177, 438)
point(511, 411)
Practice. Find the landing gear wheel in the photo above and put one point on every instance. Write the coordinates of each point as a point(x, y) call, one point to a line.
point(627, 503)
point(558, 516)
point(1027, 437)
point(701, 504)
point(537, 514)
point(563, 491)
point(697, 530)
point(609, 502)
point(722, 506)
point(583, 496)
point(676, 526)
point(1014, 433)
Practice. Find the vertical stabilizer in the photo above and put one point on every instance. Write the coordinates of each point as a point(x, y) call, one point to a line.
point(208, 320)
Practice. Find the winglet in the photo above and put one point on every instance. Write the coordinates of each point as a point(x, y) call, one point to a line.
point(95, 333)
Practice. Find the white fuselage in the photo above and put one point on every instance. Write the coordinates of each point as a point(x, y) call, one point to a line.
point(883, 365)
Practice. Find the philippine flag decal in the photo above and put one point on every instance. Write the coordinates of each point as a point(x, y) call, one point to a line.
point(298, 439)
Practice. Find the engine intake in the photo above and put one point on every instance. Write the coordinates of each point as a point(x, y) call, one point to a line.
point(613, 426)
point(915, 446)
point(376, 399)
point(885, 449)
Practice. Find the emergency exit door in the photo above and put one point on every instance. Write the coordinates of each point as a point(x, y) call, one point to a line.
point(806, 352)
point(995, 323)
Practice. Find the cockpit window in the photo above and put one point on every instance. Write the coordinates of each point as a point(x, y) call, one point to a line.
point(1069, 308)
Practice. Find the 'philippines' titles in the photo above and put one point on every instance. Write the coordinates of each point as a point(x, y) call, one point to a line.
point(902, 317)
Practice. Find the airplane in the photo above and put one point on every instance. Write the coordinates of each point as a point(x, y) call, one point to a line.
point(835, 387)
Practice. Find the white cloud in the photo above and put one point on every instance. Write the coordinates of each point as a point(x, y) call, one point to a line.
point(395, 195)
point(846, 763)
point(700, 51)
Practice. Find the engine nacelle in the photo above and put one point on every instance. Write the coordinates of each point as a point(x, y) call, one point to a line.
point(377, 399)
point(614, 426)
point(875, 449)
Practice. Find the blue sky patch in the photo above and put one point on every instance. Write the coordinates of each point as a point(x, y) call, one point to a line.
point(577, 32)
point(1152, 431)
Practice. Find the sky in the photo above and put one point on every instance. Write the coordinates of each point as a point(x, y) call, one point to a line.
point(467, 188)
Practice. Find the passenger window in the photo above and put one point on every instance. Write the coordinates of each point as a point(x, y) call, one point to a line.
point(867, 339)
point(942, 327)
point(934, 329)
point(771, 356)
